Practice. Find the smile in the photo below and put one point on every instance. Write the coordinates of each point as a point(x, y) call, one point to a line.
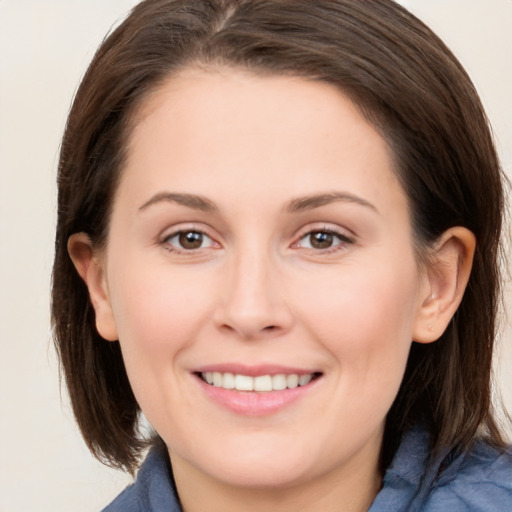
point(261, 383)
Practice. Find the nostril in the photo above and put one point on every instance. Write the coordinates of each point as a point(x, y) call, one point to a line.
point(269, 328)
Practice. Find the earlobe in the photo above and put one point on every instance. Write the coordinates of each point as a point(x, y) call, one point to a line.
point(90, 267)
point(446, 278)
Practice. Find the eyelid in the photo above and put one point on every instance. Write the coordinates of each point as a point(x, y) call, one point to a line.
point(328, 228)
point(346, 237)
point(169, 233)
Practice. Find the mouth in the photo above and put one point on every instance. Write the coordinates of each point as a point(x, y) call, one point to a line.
point(260, 383)
point(256, 390)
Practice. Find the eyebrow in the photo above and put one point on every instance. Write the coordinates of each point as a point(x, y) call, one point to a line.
point(315, 201)
point(190, 200)
point(294, 206)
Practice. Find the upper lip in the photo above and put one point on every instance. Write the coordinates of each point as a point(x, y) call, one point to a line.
point(254, 370)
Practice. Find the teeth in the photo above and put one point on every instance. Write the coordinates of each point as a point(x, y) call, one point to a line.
point(279, 382)
point(305, 379)
point(228, 381)
point(217, 379)
point(243, 383)
point(292, 381)
point(261, 383)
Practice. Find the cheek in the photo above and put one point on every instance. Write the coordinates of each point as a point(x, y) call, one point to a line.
point(365, 319)
point(159, 314)
point(157, 310)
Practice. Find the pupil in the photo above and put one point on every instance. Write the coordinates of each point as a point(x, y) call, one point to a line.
point(321, 240)
point(191, 240)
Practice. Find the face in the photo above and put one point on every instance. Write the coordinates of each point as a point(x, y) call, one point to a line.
point(261, 278)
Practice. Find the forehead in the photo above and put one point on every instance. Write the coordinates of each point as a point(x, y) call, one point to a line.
point(225, 130)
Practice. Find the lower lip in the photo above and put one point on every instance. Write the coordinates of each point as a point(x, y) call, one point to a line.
point(253, 403)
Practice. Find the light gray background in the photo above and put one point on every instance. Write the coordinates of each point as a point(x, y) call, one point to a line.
point(45, 47)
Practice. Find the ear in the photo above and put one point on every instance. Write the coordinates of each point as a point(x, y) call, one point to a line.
point(90, 267)
point(446, 277)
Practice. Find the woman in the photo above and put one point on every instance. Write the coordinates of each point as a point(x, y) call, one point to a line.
point(278, 238)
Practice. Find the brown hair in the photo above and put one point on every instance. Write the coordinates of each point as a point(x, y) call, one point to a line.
point(409, 86)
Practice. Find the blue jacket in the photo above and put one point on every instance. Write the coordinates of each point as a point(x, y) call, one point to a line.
point(478, 482)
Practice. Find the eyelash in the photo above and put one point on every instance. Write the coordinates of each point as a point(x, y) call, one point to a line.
point(166, 241)
point(343, 241)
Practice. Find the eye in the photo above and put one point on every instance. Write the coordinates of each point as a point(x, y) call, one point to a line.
point(188, 240)
point(323, 239)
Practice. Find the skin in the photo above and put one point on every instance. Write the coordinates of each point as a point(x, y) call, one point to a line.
point(259, 291)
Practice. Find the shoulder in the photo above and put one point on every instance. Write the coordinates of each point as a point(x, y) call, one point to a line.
point(127, 501)
point(153, 490)
point(480, 481)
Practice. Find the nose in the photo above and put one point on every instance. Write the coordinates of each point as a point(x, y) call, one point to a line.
point(254, 303)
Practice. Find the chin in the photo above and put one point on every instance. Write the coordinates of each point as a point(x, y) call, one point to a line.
point(255, 466)
point(268, 476)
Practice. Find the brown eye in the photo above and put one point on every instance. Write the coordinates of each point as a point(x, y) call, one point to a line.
point(321, 240)
point(190, 240)
point(182, 241)
point(324, 240)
